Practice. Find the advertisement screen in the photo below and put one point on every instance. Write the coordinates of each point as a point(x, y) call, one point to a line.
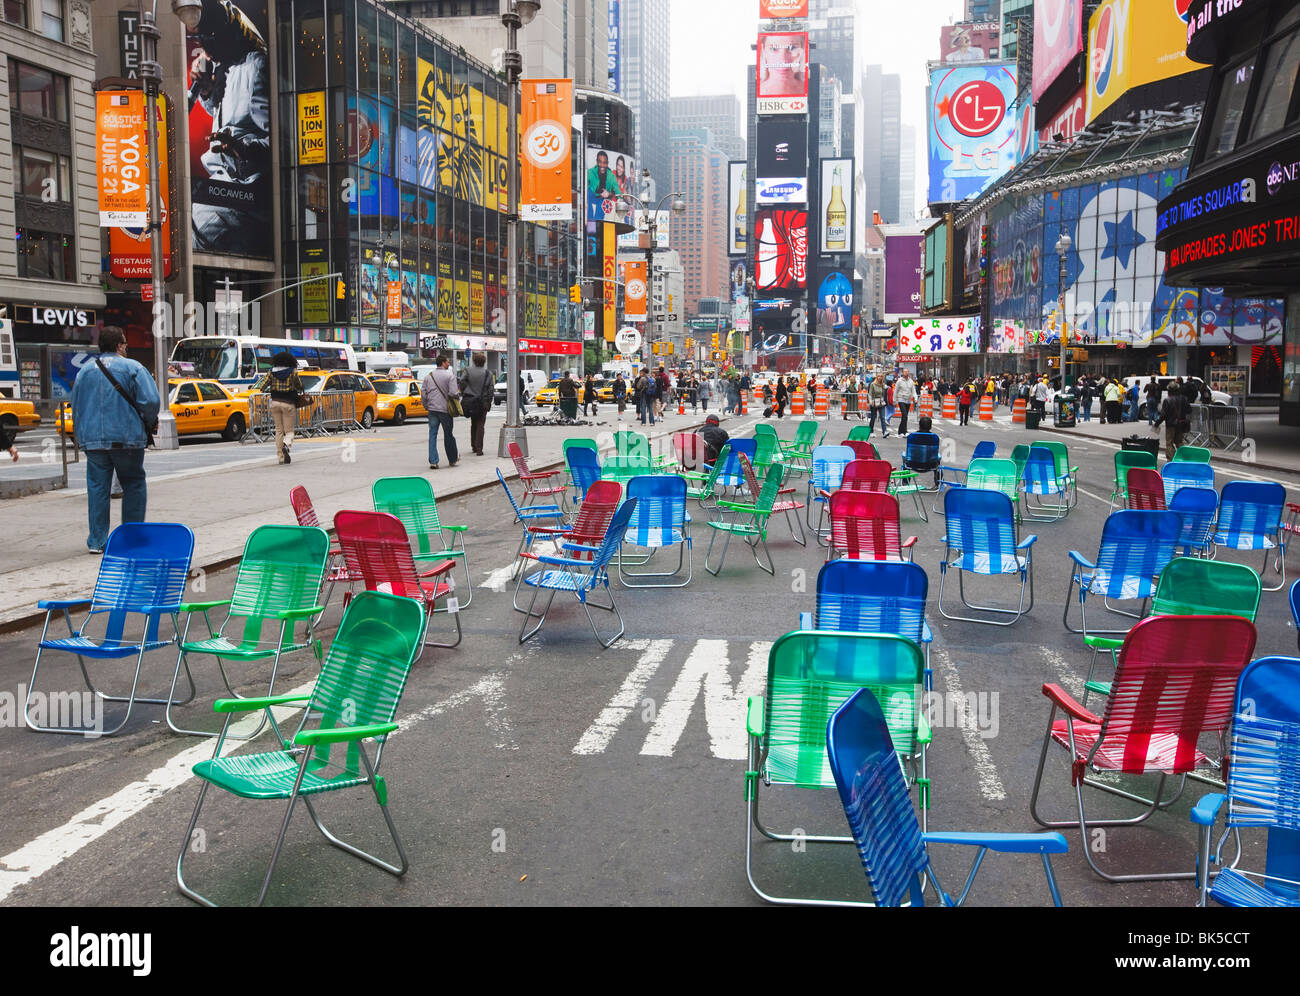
point(1058, 38)
point(610, 176)
point(904, 259)
point(972, 129)
point(782, 8)
point(615, 34)
point(781, 254)
point(641, 219)
point(230, 129)
point(737, 209)
point(835, 302)
point(836, 208)
point(782, 147)
point(970, 41)
point(1131, 44)
point(783, 73)
point(938, 337)
point(1069, 121)
point(740, 296)
point(545, 154)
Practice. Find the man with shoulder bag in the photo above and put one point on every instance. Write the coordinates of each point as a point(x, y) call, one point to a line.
point(115, 409)
point(477, 388)
point(441, 397)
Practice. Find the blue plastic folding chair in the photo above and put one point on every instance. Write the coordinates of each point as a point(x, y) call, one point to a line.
point(1042, 480)
point(660, 520)
point(890, 842)
point(921, 454)
point(141, 579)
point(873, 596)
point(533, 515)
point(1295, 609)
point(1135, 547)
point(584, 469)
point(731, 476)
point(828, 463)
point(1263, 791)
point(982, 540)
point(1250, 518)
point(1197, 508)
point(1185, 474)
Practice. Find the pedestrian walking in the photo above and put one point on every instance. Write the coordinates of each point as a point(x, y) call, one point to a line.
point(1085, 398)
point(643, 394)
point(876, 394)
point(115, 409)
point(964, 400)
point(704, 391)
point(7, 437)
point(477, 388)
point(523, 395)
point(620, 392)
point(782, 396)
point(904, 398)
point(437, 392)
point(284, 388)
point(1173, 413)
point(589, 394)
point(1153, 392)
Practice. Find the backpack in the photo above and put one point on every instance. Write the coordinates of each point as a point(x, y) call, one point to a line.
point(651, 387)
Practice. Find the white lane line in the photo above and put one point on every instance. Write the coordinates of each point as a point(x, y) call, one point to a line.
point(599, 734)
point(986, 772)
point(51, 848)
point(498, 580)
point(708, 666)
point(491, 689)
point(1065, 674)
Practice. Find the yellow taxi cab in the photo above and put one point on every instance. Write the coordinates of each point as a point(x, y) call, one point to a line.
point(364, 396)
point(398, 398)
point(20, 415)
point(549, 394)
point(200, 407)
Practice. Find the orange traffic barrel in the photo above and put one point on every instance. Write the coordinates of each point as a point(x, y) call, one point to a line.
point(950, 406)
point(797, 403)
point(744, 404)
point(819, 406)
point(926, 406)
point(1018, 411)
point(758, 397)
point(986, 408)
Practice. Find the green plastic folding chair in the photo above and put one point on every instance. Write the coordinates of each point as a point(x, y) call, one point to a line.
point(748, 521)
point(1192, 454)
point(797, 454)
point(860, 433)
point(278, 584)
point(1125, 460)
point(411, 500)
point(355, 699)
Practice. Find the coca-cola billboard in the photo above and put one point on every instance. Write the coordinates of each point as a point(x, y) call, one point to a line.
point(781, 252)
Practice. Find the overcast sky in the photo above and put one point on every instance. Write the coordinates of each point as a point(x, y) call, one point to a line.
point(712, 39)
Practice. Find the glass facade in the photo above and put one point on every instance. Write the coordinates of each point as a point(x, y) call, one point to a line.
point(393, 173)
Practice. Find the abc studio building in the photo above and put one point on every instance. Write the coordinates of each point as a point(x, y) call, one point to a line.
point(1235, 221)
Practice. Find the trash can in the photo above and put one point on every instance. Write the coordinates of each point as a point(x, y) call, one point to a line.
point(1150, 444)
point(1065, 411)
point(1032, 418)
point(569, 407)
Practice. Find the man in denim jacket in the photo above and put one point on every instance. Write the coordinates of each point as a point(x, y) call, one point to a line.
point(111, 432)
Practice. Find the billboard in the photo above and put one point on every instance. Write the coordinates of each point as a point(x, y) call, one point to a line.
point(610, 176)
point(1131, 44)
point(904, 261)
point(634, 291)
point(781, 253)
point(938, 337)
point(641, 219)
point(615, 36)
point(230, 129)
point(740, 296)
point(836, 208)
point(737, 209)
point(970, 41)
point(782, 147)
point(1058, 38)
point(129, 246)
point(972, 130)
point(782, 8)
point(1069, 121)
point(311, 129)
point(835, 302)
point(545, 165)
point(782, 86)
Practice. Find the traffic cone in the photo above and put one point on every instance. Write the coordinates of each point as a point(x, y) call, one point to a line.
point(681, 405)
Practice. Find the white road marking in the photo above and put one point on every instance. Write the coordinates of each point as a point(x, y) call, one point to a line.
point(498, 580)
point(724, 704)
point(491, 689)
point(986, 772)
point(1065, 674)
point(599, 734)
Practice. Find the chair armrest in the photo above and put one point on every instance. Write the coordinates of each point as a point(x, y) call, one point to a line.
point(437, 570)
point(454, 529)
point(1207, 810)
point(202, 606)
point(1082, 561)
point(1100, 687)
point(55, 604)
point(754, 717)
point(252, 705)
point(150, 609)
point(735, 506)
point(1027, 542)
point(300, 613)
point(924, 735)
point(910, 541)
point(580, 547)
point(1066, 701)
point(538, 475)
point(339, 734)
point(1006, 843)
point(1104, 642)
point(584, 565)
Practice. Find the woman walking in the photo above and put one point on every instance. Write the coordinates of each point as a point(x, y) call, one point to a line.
point(284, 387)
point(782, 396)
point(704, 391)
point(477, 388)
point(876, 393)
point(589, 394)
point(965, 399)
point(438, 389)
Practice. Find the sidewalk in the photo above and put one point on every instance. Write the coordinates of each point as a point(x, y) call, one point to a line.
point(45, 548)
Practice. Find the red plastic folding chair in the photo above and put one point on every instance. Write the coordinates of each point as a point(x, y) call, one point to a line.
point(337, 570)
point(689, 448)
point(1176, 681)
point(537, 485)
point(377, 548)
point(589, 527)
point(867, 475)
point(864, 526)
point(862, 449)
point(1146, 490)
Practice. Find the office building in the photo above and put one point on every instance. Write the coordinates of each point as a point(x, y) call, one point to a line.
point(645, 58)
point(907, 175)
point(699, 173)
point(1017, 28)
point(984, 10)
point(831, 33)
point(880, 144)
point(720, 114)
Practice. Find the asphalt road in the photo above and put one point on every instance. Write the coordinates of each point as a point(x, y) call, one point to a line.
point(557, 773)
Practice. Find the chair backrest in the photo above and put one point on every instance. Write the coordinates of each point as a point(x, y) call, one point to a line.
point(1193, 586)
point(921, 451)
point(1019, 455)
point(579, 442)
point(765, 429)
point(727, 472)
point(689, 447)
point(630, 443)
point(660, 507)
point(303, 510)
point(282, 568)
point(828, 463)
point(765, 497)
point(980, 522)
point(1185, 474)
point(365, 670)
point(867, 475)
point(509, 494)
point(862, 449)
point(1197, 508)
point(1125, 459)
point(517, 456)
point(864, 525)
point(805, 433)
point(1192, 454)
point(378, 551)
point(596, 513)
point(871, 596)
point(584, 468)
point(1060, 454)
point(876, 801)
point(411, 500)
point(1249, 508)
point(860, 433)
point(1175, 681)
point(613, 538)
point(985, 449)
point(1135, 548)
point(767, 449)
point(1295, 609)
point(994, 475)
point(1146, 490)
point(1040, 474)
point(144, 569)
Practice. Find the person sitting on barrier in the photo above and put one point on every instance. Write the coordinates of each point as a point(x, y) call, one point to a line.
point(284, 387)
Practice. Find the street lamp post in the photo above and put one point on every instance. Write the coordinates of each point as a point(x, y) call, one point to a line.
point(652, 227)
point(1062, 247)
point(520, 13)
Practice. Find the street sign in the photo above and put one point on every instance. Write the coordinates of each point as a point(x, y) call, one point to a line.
point(627, 339)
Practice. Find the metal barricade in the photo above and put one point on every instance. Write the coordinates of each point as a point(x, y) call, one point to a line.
point(335, 411)
point(1219, 427)
point(329, 411)
point(260, 426)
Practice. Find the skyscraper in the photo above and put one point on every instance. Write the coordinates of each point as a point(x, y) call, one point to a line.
point(720, 114)
point(831, 25)
point(645, 65)
point(699, 172)
point(907, 175)
point(880, 97)
point(984, 10)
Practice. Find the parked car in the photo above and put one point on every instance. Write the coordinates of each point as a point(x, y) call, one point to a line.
point(200, 407)
point(397, 399)
point(1216, 397)
point(20, 415)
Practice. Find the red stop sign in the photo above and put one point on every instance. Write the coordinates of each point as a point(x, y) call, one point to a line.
point(977, 108)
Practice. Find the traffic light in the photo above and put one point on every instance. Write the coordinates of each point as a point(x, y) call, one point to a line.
point(575, 293)
point(341, 291)
point(654, 348)
point(715, 340)
point(671, 347)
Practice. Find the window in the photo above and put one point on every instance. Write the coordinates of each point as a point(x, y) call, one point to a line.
point(210, 392)
point(1277, 84)
point(45, 255)
point(37, 92)
point(52, 19)
point(43, 174)
point(15, 12)
point(1233, 86)
point(186, 395)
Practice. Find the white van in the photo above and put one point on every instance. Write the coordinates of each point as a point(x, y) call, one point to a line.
point(534, 381)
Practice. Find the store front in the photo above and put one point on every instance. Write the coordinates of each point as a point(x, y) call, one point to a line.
point(53, 342)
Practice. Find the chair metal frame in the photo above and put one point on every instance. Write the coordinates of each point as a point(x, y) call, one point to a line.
point(661, 520)
point(1038, 485)
point(955, 477)
point(753, 531)
point(998, 514)
point(536, 483)
point(828, 466)
point(787, 507)
point(589, 526)
point(305, 512)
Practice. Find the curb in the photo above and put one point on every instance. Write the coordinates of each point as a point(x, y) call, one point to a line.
point(1239, 463)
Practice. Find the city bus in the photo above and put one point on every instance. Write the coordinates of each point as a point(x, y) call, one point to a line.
point(238, 361)
point(10, 386)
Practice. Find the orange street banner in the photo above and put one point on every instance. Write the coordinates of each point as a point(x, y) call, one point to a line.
point(394, 302)
point(129, 250)
point(123, 172)
point(634, 292)
point(547, 118)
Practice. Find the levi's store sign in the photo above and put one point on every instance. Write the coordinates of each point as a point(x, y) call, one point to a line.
point(55, 317)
